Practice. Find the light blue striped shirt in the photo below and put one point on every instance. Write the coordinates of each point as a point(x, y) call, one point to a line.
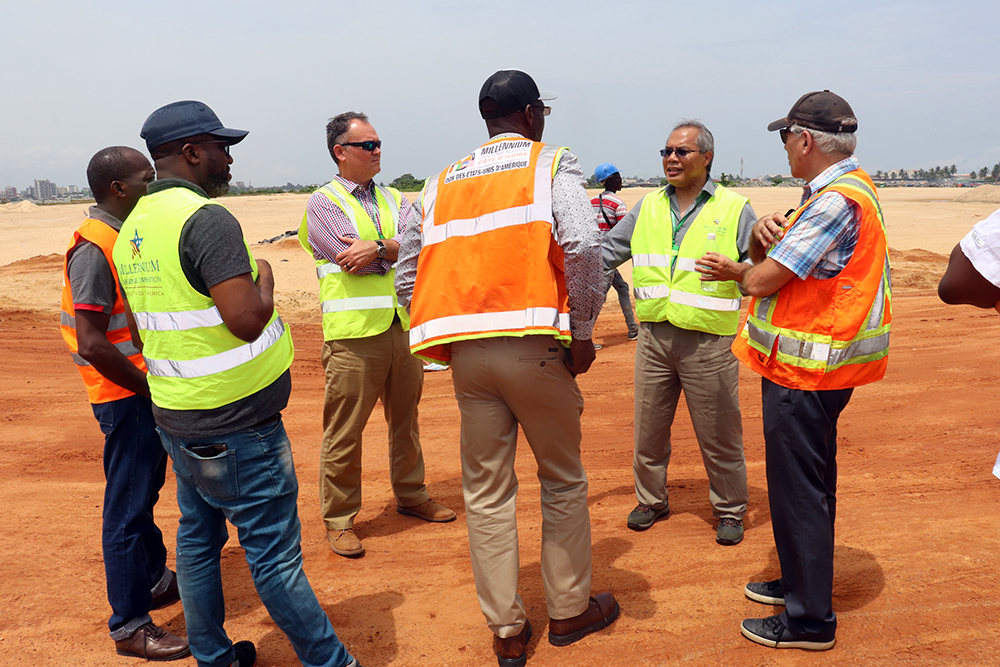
point(822, 240)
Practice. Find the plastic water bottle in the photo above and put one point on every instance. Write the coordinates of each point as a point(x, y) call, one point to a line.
point(711, 246)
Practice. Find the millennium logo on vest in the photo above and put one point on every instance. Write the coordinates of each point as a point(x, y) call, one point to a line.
point(135, 242)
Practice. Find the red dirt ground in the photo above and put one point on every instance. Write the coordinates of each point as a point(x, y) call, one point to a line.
point(917, 537)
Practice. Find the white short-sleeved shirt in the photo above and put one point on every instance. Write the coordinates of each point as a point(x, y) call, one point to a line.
point(982, 247)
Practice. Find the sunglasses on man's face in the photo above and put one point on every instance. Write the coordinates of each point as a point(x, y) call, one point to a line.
point(681, 152)
point(364, 145)
point(225, 144)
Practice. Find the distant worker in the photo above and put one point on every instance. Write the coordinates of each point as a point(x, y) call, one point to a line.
point(818, 326)
point(973, 275)
point(95, 328)
point(218, 356)
point(351, 229)
point(688, 325)
point(610, 211)
point(505, 279)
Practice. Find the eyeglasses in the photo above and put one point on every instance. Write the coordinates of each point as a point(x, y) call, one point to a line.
point(364, 145)
point(545, 110)
point(785, 132)
point(225, 143)
point(681, 152)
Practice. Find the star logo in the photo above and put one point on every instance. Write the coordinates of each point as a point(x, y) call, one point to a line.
point(135, 242)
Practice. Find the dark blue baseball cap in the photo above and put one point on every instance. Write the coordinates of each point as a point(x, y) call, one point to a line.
point(185, 119)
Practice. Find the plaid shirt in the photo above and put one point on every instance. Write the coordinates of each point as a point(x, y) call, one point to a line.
point(326, 221)
point(822, 240)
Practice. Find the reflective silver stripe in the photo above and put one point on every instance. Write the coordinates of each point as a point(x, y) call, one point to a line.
point(685, 264)
point(357, 303)
point(510, 217)
point(118, 321)
point(761, 336)
point(390, 200)
point(704, 301)
point(763, 306)
point(125, 347)
point(539, 210)
point(652, 292)
point(324, 270)
point(802, 349)
point(651, 260)
point(512, 320)
point(860, 348)
point(878, 307)
point(344, 205)
point(179, 321)
point(218, 363)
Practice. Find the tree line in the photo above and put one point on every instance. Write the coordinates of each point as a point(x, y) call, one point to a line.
point(939, 174)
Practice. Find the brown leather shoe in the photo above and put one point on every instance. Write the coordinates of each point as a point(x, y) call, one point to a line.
point(428, 511)
point(153, 643)
point(345, 543)
point(168, 596)
point(511, 650)
point(602, 612)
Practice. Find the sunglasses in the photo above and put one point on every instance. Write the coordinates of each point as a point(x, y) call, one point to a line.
point(225, 146)
point(364, 145)
point(681, 152)
point(786, 132)
point(545, 110)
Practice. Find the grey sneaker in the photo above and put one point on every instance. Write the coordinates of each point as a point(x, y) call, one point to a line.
point(765, 592)
point(772, 632)
point(644, 516)
point(633, 334)
point(729, 532)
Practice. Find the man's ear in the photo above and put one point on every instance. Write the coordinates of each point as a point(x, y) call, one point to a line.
point(191, 153)
point(117, 189)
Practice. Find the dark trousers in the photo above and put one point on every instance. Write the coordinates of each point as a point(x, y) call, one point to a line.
point(800, 435)
point(135, 464)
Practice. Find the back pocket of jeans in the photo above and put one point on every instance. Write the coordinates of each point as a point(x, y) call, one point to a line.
point(215, 475)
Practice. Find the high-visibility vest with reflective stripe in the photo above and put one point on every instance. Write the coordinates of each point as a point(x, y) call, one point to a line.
point(675, 294)
point(194, 361)
point(99, 388)
point(489, 264)
point(357, 306)
point(828, 334)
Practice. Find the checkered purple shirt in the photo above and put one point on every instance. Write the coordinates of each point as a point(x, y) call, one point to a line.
point(822, 240)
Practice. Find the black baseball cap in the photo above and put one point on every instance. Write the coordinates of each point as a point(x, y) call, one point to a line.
point(185, 119)
point(512, 90)
point(820, 110)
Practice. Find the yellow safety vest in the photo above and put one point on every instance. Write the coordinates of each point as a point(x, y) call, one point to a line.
point(357, 306)
point(666, 290)
point(194, 361)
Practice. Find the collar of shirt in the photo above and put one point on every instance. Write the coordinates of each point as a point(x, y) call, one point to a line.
point(829, 175)
point(356, 188)
point(709, 187)
point(95, 213)
point(508, 135)
point(167, 183)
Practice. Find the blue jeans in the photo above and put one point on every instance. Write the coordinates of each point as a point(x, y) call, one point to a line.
point(624, 300)
point(134, 468)
point(248, 478)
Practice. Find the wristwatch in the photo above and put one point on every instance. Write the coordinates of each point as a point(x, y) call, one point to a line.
point(380, 253)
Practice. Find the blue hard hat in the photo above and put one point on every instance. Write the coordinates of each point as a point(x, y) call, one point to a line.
point(603, 171)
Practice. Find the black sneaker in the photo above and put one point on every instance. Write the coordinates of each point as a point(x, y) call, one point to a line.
point(633, 334)
point(766, 592)
point(729, 531)
point(772, 632)
point(246, 655)
point(644, 516)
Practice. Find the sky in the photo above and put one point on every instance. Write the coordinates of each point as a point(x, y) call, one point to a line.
point(922, 77)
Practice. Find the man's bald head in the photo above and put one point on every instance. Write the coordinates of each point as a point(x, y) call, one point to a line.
point(115, 163)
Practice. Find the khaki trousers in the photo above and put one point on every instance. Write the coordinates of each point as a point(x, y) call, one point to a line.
point(500, 383)
point(359, 372)
point(667, 360)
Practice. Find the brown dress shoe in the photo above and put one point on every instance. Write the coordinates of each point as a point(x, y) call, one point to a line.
point(345, 543)
point(602, 611)
point(428, 511)
point(511, 650)
point(169, 595)
point(153, 643)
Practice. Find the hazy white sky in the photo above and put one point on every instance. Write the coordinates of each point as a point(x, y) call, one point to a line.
point(922, 77)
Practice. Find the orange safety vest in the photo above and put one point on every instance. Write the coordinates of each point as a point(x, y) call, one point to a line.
point(489, 263)
point(817, 334)
point(99, 388)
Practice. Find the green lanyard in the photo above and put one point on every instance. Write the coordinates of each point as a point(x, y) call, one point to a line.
point(677, 227)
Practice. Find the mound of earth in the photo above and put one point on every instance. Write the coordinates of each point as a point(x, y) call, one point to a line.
point(18, 207)
point(36, 264)
point(983, 194)
point(917, 269)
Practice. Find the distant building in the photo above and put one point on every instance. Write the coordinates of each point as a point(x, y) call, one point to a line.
point(45, 190)
point(10, 192)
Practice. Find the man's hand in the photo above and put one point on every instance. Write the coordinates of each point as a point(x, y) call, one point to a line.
point(766, 232)
point(714, 266)
point(359, 254)
point(581, 356)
